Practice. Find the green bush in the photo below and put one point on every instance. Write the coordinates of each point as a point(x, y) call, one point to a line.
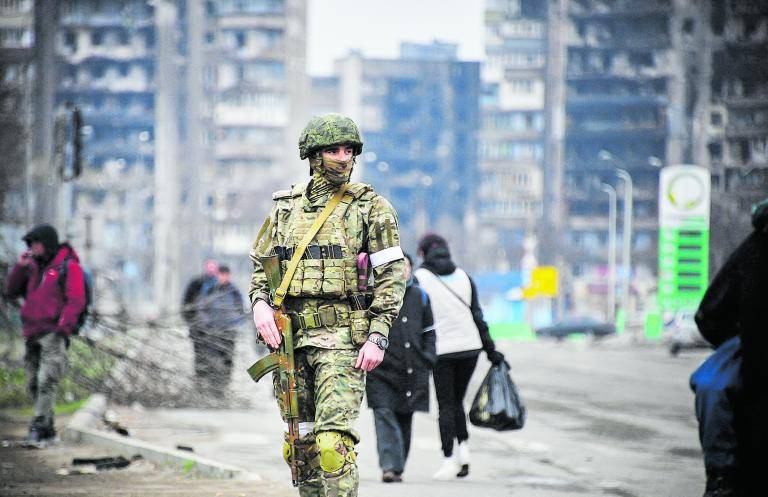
point(89, 370)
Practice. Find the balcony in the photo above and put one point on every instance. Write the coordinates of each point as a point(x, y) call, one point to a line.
point(625, 8)
point(580, 101)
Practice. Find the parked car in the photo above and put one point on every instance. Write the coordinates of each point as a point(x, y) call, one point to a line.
point(680, 332)
point(576, 324)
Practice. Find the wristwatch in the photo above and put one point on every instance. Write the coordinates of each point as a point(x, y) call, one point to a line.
point(380, 341)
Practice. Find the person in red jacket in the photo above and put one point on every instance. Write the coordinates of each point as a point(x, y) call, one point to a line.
point(52, 306)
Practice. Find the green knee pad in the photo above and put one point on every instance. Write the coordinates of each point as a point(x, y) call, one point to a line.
point(336, 449)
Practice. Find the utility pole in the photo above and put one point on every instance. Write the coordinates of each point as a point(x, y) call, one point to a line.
point(45, 178)
point(626, 244)
point(611, 304)
point(196, 153)
point(551, 233)
point(167, 192)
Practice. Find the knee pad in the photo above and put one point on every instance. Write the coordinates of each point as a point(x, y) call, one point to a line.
point(336, 449)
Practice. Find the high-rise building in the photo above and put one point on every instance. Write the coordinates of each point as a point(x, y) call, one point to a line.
point(731, 136)
point(509, 197)
point(616, 100)
point(419, 118)
point(253, 106)
point(16, 87)
point(107, 67)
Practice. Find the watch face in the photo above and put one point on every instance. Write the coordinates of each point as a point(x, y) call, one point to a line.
point(383, 343)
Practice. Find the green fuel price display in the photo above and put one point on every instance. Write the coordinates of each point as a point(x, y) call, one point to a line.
point(684, 201)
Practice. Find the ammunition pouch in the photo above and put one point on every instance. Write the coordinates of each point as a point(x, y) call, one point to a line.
point(324, 317)
point(359, 326)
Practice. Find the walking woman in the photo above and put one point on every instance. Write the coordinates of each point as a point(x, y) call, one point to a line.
point(461, 334)
point(400, 385)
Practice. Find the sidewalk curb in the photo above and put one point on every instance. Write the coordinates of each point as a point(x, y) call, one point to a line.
point(81, 429)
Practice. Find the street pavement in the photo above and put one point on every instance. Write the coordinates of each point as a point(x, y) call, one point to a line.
point(604, 418)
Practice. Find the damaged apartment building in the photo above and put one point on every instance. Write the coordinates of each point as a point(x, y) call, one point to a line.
point(185, 105)
point(638, 85)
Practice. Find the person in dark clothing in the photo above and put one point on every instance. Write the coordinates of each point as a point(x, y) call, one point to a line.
point(399, 386)
point(461, 334)
point(735, 305)
point(192, 312)
point(221, 315)
point(49, 314)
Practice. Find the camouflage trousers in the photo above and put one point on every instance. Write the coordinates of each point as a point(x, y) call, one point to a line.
point(330, 394)
point(45, 362)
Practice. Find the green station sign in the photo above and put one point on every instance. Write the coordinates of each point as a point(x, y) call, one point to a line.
point(684, 201)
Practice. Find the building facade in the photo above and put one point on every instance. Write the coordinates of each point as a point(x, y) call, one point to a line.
point(419, 117)
point(16, 89)
point(253, 106)
point(107, 66)
point(510, 194)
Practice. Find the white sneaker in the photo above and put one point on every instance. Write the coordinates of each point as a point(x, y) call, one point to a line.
point(447, 470)
point(463, 451)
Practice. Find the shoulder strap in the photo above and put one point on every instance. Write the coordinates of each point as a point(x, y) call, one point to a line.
point(437, 277)
point(282, 291)
point(63, 275)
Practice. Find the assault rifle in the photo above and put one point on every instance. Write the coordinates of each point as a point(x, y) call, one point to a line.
point(282, 360)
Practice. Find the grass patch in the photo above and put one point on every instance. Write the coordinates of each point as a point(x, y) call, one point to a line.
point(512, 331)
point(60, 409)
point(188, 466)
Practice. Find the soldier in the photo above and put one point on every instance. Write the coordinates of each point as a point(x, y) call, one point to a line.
point(339, 334)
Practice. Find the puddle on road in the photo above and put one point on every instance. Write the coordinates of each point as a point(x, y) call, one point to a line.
point(617, 430)
point(692, 452)
point(546, 482)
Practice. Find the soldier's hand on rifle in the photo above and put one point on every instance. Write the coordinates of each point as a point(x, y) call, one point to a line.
point(369, 357)
point(264, 319)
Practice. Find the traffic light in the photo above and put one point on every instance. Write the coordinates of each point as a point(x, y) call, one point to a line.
point(68, 142)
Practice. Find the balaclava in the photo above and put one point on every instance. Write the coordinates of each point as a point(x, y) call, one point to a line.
point(328, 175)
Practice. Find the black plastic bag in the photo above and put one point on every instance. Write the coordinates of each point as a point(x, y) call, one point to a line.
point(497, 404)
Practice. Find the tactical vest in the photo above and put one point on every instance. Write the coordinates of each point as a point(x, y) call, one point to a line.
point(328, 268)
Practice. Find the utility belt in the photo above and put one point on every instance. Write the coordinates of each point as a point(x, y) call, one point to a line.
point(311, 252)
point(329, 315)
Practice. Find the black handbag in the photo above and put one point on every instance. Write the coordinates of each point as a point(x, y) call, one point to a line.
point(497, 404)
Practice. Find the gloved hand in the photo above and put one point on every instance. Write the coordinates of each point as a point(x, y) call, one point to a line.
point(495, 357)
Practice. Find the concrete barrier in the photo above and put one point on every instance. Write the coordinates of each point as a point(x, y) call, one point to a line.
point(82, 429)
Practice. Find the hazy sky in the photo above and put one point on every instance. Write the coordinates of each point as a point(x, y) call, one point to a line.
point(378, 26)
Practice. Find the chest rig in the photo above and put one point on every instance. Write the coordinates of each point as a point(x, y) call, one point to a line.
point(328, 268)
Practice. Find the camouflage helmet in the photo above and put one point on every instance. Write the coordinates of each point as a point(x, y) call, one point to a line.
point(326, 130)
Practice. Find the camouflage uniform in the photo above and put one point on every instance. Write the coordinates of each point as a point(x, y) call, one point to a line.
point(328, 332)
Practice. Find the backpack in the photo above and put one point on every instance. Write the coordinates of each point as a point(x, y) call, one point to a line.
point(88, 286)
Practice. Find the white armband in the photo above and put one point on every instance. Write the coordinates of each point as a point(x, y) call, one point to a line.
point(387, 255)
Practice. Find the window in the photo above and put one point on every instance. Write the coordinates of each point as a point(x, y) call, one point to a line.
point(524, 86)
point(97, 38)
point(716, 118)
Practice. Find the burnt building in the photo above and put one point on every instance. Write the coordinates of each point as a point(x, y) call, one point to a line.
point(733, 140)
point(419, 118)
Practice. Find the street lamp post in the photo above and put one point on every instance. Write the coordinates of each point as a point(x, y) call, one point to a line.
point(626, 244)
point(611, 251)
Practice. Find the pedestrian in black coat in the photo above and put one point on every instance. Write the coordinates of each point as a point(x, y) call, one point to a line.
point(736, 303)
point(399, 386)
